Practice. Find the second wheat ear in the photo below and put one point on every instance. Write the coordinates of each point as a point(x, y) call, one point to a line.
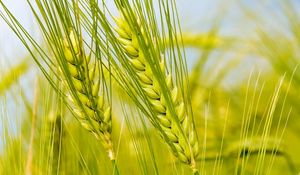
point(90, 107)
point(181, 138)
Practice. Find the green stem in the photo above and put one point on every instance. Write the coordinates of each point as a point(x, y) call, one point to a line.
point(194, 168)
point(196, 172)
point(115, 167)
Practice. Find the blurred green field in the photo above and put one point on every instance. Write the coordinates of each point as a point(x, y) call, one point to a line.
point(244, 82)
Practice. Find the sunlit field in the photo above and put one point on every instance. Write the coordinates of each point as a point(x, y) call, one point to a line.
point(130, 87)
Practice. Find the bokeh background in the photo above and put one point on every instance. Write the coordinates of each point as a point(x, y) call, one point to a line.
point(243, 58)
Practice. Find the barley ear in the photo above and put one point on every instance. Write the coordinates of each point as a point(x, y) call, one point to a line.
point(89, 103)
point(176, 128)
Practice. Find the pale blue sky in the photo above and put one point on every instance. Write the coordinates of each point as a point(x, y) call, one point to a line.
point(196, 16)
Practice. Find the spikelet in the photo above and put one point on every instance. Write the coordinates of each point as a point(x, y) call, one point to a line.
point(90, 109)
point(184, 145)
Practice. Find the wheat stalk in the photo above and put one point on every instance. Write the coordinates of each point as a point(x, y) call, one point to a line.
point(184, 145)
point(91, 110)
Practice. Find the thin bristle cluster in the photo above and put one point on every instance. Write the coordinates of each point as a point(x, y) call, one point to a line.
point(180, 137)
point(90, 109)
